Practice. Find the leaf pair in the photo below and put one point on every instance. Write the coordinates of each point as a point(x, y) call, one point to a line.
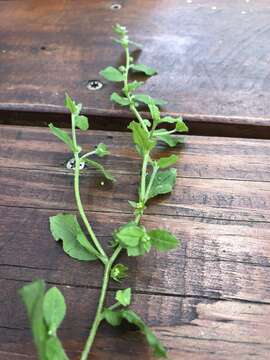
point(137, 241)
point(65, 227)
point(46, 312)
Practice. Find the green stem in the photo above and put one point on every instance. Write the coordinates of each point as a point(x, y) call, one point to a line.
point(104, 257)
point(155, 170)
point(98, 317)
point(143, 176)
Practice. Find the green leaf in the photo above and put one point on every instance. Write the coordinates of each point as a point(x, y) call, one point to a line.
point(54, 309)
point(102, 150)
point(120, 30)
point(158, 349)
point(114, 318)
point(124, 296)
point(81, 122)
point(170, 120)
point(165, 136)
point(71, 105)
point(100, 168)
point(132, 86)
point(154, 110)
point(65, 227)
point(140, 137)
point(129, 235)
point(148, 100)
point(87, 245)
point(112, 74)
point(163, 182)
point(147, 70)
point(54, 349)
point(119, 272)
point(123, 101)
point(32, 296)
point(62, 135)
point(181, 126)
point(163, 240)
point(167, 161)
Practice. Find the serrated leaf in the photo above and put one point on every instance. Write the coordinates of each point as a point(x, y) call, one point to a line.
point(140, 137)
point(123, 101)
point(65, 227)
point(163, 240)
point(114, 318)
point(162, 184)
point(54, 349)
point(102, 150)
point(70, 104)
point(147, 70)
point(148, 100)
point(63, 136)
point(81, 122)
point(129, 235)
point(100, 168)
point(112, 74)
point(32, 296)
point(167, 161)
point(158, 349)
point(54, 309)
point(119, 272)
point(124, 296)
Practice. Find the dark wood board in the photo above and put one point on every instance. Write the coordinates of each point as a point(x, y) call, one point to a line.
point(212, 58)
point(206, 300)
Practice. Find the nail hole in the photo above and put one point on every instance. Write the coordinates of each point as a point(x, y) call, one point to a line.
point(43, 48)
point(71, 164)
point(116, 6)
point(94, 85)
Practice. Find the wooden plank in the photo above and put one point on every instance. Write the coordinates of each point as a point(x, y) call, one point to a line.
point(193, 328)
point(211, 70)
point(207, 299)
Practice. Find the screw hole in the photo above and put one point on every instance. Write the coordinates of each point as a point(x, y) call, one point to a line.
point(71, 164)
point(116, 6)
point(43, 48)
point(94, 85)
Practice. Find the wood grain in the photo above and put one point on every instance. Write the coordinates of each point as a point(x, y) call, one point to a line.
point(211, 70)
point(206, 300)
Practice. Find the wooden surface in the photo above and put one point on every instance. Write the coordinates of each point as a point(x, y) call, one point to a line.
point(212, 58)
point(208, 299)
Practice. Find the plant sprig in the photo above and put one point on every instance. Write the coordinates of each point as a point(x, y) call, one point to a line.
point(46, 310)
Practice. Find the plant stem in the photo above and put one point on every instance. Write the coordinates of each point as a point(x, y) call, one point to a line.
point(143, 176)
point(98, 316)
point(104, 257)
point(153, 175)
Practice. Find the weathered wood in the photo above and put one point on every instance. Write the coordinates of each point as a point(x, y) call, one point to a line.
point(212, 70)
point(202, 329)
point(206, 300)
